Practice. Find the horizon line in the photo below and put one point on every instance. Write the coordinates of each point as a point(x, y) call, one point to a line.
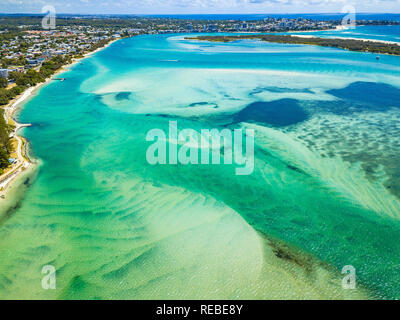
point(189, 14)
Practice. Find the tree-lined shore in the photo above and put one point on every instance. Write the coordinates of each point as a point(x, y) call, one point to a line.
point(347, 44)
point(26, 80)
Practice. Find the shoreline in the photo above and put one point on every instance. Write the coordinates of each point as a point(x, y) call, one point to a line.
point(345, 43)
point(348, 38)
point(23, 161)
point(339, 28)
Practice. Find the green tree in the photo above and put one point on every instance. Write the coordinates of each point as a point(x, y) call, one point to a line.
point(3, 82)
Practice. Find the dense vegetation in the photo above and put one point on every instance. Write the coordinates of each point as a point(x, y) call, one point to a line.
point(23, 80)
point(30, 78)
point(5, 143)
point(347, 44)
point(33, 77)
point(20, 61)
point(16, 24)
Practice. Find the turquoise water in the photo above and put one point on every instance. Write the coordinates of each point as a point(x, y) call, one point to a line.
point(324, 192)
point(382, 33)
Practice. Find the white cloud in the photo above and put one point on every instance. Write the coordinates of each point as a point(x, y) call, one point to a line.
point(194, 6)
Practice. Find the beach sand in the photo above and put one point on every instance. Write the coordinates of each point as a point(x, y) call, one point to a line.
point(24, 162)
point(305, 36)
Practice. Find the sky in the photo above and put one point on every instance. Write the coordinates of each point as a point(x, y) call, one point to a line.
point(198, 6)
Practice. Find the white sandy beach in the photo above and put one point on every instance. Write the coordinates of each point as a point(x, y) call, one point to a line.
point(23, 162)
point(306, 36)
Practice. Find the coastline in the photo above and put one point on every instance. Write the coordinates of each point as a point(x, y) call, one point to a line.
point(23, 161)
point(338, 28)
point(374, 46)
point(348, 38)
point(69, 216)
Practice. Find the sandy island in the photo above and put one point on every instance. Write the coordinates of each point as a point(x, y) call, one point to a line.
point(23, 162)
